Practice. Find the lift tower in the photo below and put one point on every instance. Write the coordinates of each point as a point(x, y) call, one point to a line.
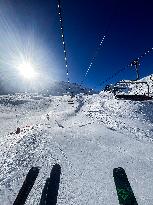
point(136, 64)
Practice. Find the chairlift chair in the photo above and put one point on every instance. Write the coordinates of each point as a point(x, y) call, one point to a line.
point(71, 101)
point(134, 97)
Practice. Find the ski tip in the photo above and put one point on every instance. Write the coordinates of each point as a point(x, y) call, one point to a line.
point(118, 170)
point(33, 172)
point(34, 169)
point(56, 171)
point(57, 168)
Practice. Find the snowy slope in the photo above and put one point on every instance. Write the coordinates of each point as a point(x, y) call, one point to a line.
point(88, 139)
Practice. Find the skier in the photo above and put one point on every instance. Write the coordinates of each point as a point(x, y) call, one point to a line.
point(72, 95)
point(47, 116)
point(17, 130)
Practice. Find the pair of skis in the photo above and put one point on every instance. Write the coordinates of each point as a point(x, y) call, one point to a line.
point(50, 190)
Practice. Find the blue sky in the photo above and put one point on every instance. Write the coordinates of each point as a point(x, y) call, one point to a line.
point(126, 24)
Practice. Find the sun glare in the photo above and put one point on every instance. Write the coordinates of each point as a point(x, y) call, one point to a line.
point(27, 70)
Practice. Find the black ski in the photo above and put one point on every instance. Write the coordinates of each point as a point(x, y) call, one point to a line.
point(123, 188)
point(50, 191)
point(27, 186)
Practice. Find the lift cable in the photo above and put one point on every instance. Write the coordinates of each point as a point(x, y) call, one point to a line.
point(93, 58)
point(129, 65)
point(100, 45)
point(60, 12)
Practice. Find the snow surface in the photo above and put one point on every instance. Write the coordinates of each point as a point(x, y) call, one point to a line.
point(88, 139)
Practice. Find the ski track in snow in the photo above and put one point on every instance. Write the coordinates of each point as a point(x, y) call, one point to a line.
point(88, 139)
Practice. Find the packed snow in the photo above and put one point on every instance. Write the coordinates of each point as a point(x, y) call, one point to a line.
point(88, 139)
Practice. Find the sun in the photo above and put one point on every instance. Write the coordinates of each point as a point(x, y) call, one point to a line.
point(27, 70)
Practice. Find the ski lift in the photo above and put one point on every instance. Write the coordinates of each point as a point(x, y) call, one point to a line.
point(133, 97)
point(71, 101)
point(114, 88)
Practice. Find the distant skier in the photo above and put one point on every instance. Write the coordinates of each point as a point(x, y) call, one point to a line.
point(72, 95)
point(47, 116)
point(107, 88)
point(18, 130)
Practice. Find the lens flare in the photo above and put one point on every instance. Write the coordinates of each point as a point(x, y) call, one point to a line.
point(26, 60)
point(26, 69)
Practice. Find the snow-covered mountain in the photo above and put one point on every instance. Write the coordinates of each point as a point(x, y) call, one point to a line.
point(60, 88)
point(56, 88)
point(88, 139)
